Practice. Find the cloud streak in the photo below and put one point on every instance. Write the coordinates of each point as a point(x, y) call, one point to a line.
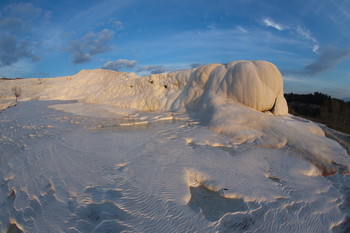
point(328, 58)
point(153, 69)
point(269, 23)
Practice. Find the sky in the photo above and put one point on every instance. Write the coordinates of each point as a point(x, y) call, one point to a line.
point(309, 41)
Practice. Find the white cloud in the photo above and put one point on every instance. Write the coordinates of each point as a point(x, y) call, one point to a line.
point(306, 34)
point(268, 22)
point(301, 31)
point(119, 64)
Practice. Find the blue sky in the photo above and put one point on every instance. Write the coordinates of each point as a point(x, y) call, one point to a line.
point(309, 41)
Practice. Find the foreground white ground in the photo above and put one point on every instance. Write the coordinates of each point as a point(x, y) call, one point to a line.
point(201, 150)
point(156, 172)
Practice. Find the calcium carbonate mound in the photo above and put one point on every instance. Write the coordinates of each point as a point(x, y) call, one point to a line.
point(256, 84)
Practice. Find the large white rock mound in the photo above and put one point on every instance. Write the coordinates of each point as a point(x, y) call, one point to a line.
point(256, 84)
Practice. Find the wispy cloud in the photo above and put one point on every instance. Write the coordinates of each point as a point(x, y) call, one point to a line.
point(119, 64)
point(301, 31)
point(99, 11)
point(269, 23)
point(212, 26)
point(242, 29)
point(90, 44)
point(306, 34)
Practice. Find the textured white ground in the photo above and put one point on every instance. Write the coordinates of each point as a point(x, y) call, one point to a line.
point(155, 172)
point(201, 150)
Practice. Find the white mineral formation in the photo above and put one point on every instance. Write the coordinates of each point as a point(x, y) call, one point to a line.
point(256, 84)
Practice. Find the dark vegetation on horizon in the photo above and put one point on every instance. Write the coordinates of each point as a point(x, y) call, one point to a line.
point(4, 78)
point(321, 108)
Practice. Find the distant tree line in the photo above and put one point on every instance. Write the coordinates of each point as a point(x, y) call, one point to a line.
point(4, 78)
point(322, 108)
